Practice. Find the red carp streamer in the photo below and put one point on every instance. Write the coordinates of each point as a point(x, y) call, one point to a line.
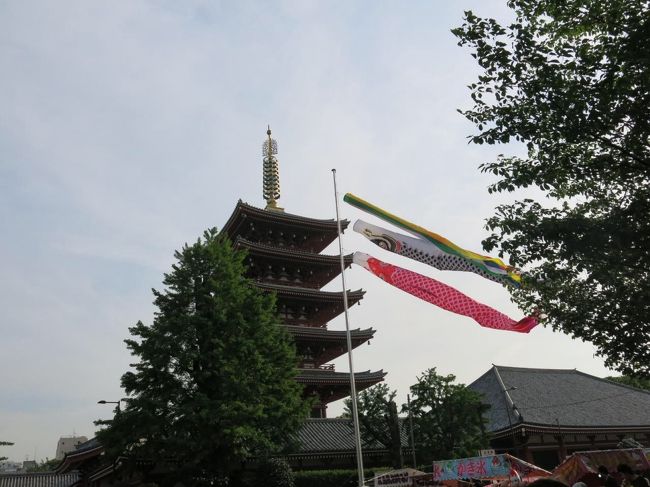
point(441, 295)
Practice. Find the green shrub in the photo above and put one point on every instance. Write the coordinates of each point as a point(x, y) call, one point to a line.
point(329, 478)
point(275, 472)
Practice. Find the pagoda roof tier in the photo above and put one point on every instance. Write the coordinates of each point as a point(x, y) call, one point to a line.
point(324, 345)
point(309, 307)
point(331, 386)
point(305, 268)
point(293, 230)
point(322, 334)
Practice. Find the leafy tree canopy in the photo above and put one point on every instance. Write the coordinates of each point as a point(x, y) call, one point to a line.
point(213, 383)
point(4, 443)
point(47, 465)
point(570, 80)
point(378, 420)
point(447, 418)
point(632, 381)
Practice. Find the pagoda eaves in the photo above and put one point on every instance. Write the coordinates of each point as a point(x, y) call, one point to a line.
point(317, 346)
point(279, 265)
point(309, 307)
point(280, 228)
point(336, 385)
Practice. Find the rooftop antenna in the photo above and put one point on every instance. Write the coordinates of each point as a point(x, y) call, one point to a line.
point(271, 173)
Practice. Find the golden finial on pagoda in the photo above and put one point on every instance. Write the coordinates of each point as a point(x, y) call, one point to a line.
point(271, 176)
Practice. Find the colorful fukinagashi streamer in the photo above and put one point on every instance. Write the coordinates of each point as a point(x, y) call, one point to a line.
point(420, 250)
point(441, 295)
point(492, 266)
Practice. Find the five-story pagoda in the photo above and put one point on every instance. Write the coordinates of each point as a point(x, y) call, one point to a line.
point(284, 257)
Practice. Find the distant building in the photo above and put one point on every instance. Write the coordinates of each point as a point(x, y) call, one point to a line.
point(543, 415)
point(67, 444)
point(29, 465)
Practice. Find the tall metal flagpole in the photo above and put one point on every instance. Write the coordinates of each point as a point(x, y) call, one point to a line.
point(353, 389)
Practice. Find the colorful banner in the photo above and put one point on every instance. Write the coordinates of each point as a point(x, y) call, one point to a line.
point(441, 295)
point(492, 467)
point(490, 265)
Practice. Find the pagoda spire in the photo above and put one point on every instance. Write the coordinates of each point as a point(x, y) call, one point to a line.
point(271, 173)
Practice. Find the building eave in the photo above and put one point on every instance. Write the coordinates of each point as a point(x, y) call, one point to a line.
point(568, 429)
point(310, 293)
point(255, 248)
point(73, 458)
point(329, 335)
point(245, 210)
point(317, 377)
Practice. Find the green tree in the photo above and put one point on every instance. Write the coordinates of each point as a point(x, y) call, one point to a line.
point(214, 381)
point(47, 465)
point(570, 81)
point(448, 418)
point(378, 420)
point(275, 472)
point(4, 443)
point(632, 381)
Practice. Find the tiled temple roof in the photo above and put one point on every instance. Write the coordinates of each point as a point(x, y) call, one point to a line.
point(329, 335)
point(312, 294)
point(244, 212)
point(570, 398)
point(335, 434)
point(85, 451)
point(318, 376)
point(282, 216)
point(39, 479)
point(293, 254)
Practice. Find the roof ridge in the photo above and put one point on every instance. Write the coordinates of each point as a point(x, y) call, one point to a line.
point(603, 379)
point(534, 369)
point(329, 420)
point(488, 371)
point(243, 204)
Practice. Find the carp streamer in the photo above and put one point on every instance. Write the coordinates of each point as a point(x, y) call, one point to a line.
point(441, 295)
point(420, 250)
point(435, 249)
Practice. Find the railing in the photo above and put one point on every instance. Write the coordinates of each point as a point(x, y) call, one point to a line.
point(312, 366)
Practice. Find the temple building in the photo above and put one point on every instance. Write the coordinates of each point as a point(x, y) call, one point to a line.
point(284, 257)
point(543, 415)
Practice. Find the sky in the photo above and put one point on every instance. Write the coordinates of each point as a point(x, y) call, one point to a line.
point(127, 128)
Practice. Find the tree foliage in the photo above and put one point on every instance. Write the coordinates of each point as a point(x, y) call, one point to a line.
point(632, 381)
point(214, 382)
point(47, 465)
point(275, 472)
point(570, 81)
point(379, 421)
point(448, 418)
point(5, 443)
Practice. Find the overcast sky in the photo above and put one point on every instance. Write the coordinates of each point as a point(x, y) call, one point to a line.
point(127, 128)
